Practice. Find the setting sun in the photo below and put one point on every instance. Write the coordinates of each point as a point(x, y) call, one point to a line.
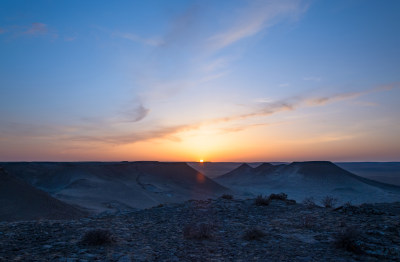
point(201, 160)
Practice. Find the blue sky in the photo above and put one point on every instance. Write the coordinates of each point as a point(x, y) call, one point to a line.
point(184, 80)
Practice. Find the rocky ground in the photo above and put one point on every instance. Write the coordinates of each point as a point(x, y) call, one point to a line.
point(214, 230)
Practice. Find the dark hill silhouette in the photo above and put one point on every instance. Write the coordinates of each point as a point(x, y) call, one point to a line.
point(21, 201)
point(117, 186)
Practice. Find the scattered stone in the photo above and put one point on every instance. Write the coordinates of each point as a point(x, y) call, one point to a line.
point(291, 233)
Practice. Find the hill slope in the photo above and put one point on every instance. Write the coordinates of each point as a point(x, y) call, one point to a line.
point(21, 201)
point(101, 186)
point(306, 179)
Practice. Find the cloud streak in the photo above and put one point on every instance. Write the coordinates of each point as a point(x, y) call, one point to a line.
point(136, 114)
point(36, 29)
point(260, 15)
point(266, 109)
point(97, 134)
point(139, 39)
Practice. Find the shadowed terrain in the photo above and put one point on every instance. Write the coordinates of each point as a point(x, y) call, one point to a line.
point(308, 179)
point(100, 186)
point(387, 172)
point(21, 201)
point(215, 230)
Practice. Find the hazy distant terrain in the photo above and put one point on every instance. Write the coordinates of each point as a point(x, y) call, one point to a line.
point(387, 172)
point(308, 179)
point(216, 169)
point(251, 179)
point(96, 187)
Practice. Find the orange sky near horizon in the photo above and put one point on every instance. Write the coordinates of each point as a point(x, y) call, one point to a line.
point(180, 80)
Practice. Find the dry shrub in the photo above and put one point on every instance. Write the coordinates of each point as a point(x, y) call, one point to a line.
point(97, 237)
point(309, 202)
point(253, 234)
point(349, 239)
point(280, 196)
point(227, 196)
point(261, 201)
point(329, 201)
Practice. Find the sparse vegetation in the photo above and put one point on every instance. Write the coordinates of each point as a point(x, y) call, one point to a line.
point(309, 202)
point(198, 231)
point(349, 240)
point(280, 196)
point(253, 234)
point(329, 201)
point(308, 221)
point(227, 196)
point(262, 201)
point(97, 237)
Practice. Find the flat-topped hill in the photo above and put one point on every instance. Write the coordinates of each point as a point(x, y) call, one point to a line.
point(311, 178)
point(116, 186)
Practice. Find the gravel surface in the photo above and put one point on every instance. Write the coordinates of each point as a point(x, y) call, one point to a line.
point(214, 230)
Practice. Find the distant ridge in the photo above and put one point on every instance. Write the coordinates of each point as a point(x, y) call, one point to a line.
point(21, 201)
point(264, 166)
point(244, 167)
point(309, 178)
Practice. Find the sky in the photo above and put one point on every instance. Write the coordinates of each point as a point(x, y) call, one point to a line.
point(228, 80)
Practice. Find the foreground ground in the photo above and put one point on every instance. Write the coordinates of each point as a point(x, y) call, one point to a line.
point(215, 230)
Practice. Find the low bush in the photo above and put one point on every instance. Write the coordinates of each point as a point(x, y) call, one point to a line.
point(262, 201)
point(227, 196)
point(329, 201)
point(198, 231)
point(97, 237)
point(253, 234)
point(349, 239)
point(280, 196)
point(309, 202)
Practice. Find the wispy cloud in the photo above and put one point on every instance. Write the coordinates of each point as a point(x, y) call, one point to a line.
point(260, 110)
point(129, 138)
point(260, 15)
point(96, 133)
point(217, 64)
point(139, 39)
point(187, 44)
point(131, 113)
point(182, 29)
point(36, 29)
point(135, 114)
point(322, 100)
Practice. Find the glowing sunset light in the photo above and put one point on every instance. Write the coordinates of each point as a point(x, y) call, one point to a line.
point(184, 80)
